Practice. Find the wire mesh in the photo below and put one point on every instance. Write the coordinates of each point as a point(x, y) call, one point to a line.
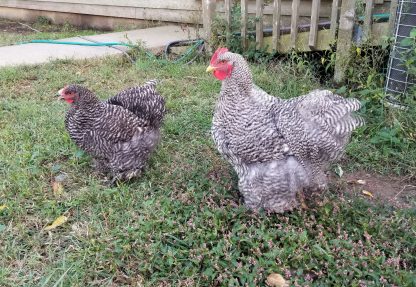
point(398, 78)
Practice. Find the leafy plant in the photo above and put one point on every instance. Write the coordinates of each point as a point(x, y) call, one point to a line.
point(252, 53)
point(409, 55)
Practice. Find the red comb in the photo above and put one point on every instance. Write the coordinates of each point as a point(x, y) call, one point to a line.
point(217, 53)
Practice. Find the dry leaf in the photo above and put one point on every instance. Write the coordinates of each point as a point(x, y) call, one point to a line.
point(339, 171)
point(58, 222)
point(276, 280)
point(3, 207)
point(361, 181)
point(57, 188)
point(366, 192)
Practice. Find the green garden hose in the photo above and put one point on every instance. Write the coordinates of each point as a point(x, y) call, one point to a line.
point(196, 44)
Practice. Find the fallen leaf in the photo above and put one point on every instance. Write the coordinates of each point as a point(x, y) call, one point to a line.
point(339, 171)
point(3, 207)
point(57, 188)
point(58, 222)
point(276, 280)
point(361, 181)
point(366, 192)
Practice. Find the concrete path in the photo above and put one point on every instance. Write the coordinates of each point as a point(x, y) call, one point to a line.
point(152, 38)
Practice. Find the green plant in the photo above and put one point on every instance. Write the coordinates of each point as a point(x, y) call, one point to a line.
point(252, 53)
point(182, 223)
point(409, 57)
point(43, 20)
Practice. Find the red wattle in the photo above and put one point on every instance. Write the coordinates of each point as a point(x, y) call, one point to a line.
point(220, 75)
point(223, 71)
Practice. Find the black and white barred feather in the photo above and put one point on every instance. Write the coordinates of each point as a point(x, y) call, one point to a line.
point(279, 147)
point(143, 101)
point(120, 136)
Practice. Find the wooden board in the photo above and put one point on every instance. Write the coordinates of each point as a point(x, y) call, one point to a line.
point(314, 23)
point(344, 41)
point(244, 20)
point(294, 23)
point(168, 15)
point(118, 8)
point(334, 18)
point(276, 24)
point(154, 4)
point(368, 19)
point(228, 18)
point(302, 42)
point(286, 9)
point(324, 39)
point(259, 23)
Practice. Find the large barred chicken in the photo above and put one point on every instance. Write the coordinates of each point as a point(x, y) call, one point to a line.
point(278, 147)
point(119, 133)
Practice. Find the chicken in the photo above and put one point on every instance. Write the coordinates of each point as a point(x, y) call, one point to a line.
point(143, 101)
point(120, 133)
point(278, 148)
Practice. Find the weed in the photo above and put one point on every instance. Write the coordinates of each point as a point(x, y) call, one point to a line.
point(47, 30)
point(182, 223)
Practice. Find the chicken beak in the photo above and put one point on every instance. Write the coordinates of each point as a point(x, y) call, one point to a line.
point(210, 69)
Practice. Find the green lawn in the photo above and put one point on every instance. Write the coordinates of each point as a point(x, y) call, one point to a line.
point(182, 223)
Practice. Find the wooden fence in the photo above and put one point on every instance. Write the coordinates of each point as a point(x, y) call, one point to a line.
point(338, 28)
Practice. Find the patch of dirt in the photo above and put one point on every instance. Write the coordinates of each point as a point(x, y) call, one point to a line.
point(7, 26)
point(395, 190)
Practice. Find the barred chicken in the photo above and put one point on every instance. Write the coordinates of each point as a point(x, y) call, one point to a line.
point(278, 148)
point(143, 101)
point(120, 133)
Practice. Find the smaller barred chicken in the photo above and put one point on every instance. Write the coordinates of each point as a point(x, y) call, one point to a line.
point(120, 133)
point(143, 101)
point(278, 148)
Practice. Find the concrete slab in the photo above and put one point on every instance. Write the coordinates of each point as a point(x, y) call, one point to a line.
point(152, 38)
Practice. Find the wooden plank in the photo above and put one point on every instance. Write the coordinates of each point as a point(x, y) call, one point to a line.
point(183, 5)
point(344, 43)
point(324, 41)
point(228, 8)
point(378, 1)
point(110, 11)
point(154, 4)
point(259, 23)
point(305, 7)
point(392, 19)
point(314, 23)
point(368, 19)
point(244, 23)
point(379, 32)
point(208, 14)
point(302, 42)
point(294, 23)
point(277, 5)
point(334, 18)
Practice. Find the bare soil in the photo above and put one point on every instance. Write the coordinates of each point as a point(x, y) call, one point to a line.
point(395, 190)
point(8, 26)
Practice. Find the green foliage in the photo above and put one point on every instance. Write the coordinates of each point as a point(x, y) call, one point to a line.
point(387, 143)
point(43, 21)
point(252, 53)
point(409, 56)
point(182, 223)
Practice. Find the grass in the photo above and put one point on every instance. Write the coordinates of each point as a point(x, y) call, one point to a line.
point(182, 223)
point(13, 31)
